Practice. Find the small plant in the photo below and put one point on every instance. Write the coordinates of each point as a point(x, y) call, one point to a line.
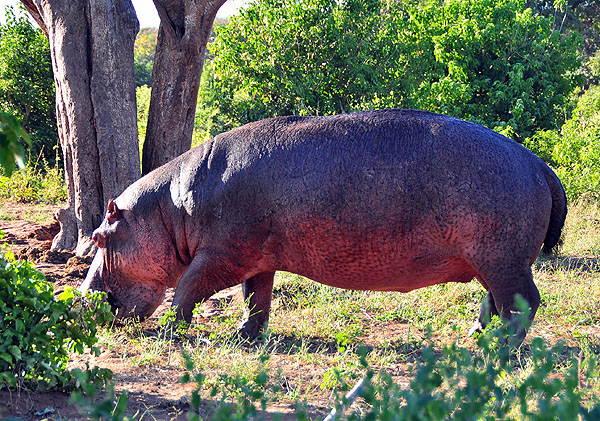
point(238, 394)
point(347, 336)
point(39, 331)
point(154, 347)
point(87, 398)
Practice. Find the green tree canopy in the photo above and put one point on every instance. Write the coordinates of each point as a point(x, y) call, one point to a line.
point(26, 81)
point(143, 56)
point(493, 62)
point(574, 149)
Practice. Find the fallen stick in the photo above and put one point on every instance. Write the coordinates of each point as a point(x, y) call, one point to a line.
point(350, 396)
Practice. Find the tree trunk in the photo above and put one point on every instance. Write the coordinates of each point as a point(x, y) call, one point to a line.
point(91, 42)
point(184, 31)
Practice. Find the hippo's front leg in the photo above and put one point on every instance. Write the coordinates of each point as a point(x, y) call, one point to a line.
point(257, 295)
point(200, 281)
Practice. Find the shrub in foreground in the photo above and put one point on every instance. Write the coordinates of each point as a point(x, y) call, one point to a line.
point(39, 331)
point(495, 381)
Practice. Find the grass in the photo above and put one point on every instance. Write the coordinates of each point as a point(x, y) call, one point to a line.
point(40, 187)
point(37, 213)
point(39, 184)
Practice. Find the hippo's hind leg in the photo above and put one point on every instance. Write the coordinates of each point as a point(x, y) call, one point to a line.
point(503, 288)
point(257, 294)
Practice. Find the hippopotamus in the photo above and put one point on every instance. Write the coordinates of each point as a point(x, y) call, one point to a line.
point(389, 200)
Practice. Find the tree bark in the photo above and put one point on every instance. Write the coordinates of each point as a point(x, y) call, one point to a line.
point(91, 42)
point(184, 31)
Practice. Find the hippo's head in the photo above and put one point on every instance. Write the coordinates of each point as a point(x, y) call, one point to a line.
point(132, 265)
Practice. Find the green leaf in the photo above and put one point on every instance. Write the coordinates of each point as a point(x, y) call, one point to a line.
point(14, 350)
point(66, 294)
point(6, 357)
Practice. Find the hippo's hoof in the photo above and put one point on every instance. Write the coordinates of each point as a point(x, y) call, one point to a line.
point(249, 331)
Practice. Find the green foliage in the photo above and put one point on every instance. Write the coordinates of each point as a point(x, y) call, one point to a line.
point(11, 151)
point(142, 95)
point(214, 111)
point(574, 15)
point(43, 184)
point(26, 81)
point(94, 404)
point(238, 394)
point(462, 385)
point(39, 331)
point(574, 150)
point(494, 62)
point(494, 381)
point(592, 67)
point(143, 56)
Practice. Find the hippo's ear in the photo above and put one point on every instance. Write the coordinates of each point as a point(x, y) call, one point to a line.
point(112, 211)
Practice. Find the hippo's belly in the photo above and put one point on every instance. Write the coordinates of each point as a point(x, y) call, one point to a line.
point(380, 260)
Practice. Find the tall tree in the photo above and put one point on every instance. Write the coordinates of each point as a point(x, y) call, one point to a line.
point(185, 28)
point(91, 42)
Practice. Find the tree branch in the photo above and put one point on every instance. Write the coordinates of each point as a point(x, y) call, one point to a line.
point(33, 10)
point(174, 31)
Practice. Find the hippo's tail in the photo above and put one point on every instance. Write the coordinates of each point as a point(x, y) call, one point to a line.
point(558, 214)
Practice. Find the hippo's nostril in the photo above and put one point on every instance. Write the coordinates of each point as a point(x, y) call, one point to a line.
point(99, 239)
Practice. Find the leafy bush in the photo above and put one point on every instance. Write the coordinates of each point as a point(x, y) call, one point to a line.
point(11, 151)
point(238, 394)
point(494, 62)
point(35, 185)
point(27, 83)
point(39, 330)
point(574, 150)
point(94, 404)
point(495, 381)
point(461, 386)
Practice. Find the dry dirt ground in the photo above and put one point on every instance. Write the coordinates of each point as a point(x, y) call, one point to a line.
point(154, 392)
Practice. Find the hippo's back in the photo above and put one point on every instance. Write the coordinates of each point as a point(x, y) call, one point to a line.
point(379, 163)
point(397, 191)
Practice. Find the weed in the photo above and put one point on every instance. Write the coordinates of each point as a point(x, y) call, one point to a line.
point(236, 394)
point(490, 383)
point(94, 404)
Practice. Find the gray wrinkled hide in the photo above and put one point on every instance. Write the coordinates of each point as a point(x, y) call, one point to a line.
point(384, 200)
